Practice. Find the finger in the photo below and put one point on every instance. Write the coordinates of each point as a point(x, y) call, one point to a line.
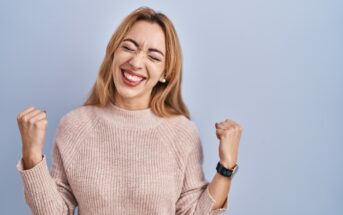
point(22, 113)
point(225, 126)
point(27, 113)
point(230, 121)
point(39, 116)
point(219, 125)
point(29, 109)
point(226, 131)
point(232, 125)
point(31, 114)
point(218, 136)
point(220, 132)
point(43, 122)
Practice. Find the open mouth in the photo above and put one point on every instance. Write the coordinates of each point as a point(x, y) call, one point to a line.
point(131, 79)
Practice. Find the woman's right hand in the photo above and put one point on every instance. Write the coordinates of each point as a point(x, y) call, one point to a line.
point(32, 124)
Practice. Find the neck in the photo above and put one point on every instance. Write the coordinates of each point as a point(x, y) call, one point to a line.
point(131, 104)
point(124, 118)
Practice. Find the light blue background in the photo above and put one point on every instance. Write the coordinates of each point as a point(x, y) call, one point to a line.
point(275, 67)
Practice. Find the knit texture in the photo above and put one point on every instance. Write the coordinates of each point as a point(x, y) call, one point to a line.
point(109, 160)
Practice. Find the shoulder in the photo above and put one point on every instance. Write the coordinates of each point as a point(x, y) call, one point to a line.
point(79, 113)
point(76, 121)
point(181, 134)
point(181, 125)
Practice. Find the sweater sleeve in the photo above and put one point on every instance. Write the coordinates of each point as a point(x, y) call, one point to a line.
point(195, 197)
point(48, 192)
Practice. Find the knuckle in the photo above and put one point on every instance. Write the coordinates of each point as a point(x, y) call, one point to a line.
point(31, 121)
point(25, 118)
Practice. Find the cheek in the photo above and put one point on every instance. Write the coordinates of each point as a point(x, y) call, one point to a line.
point(120, 57)
point(155, 73)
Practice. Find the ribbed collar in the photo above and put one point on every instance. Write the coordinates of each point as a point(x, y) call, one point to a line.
point(144, 118)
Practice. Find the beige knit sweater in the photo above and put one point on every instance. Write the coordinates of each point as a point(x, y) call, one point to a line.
point(109, 160)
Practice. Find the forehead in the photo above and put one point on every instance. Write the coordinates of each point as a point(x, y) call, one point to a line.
point(147, 35)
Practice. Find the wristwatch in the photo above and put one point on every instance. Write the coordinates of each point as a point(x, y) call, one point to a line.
point(226, 172)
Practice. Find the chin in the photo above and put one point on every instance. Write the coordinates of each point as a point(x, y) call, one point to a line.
point(127, 93)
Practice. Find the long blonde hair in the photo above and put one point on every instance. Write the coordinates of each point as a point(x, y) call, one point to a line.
point(166, 99)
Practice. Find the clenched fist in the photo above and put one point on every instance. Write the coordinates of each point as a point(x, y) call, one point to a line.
point(32, 124)
point(229, 133)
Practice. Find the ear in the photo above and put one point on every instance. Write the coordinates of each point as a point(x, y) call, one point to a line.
point(162, 79)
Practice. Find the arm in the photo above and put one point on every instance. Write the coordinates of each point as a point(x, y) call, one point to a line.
point(219, 188)
point(229, 134)
point(48, 193)
point(195, 197)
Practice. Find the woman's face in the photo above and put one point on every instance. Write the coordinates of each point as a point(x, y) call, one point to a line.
point(138, 64)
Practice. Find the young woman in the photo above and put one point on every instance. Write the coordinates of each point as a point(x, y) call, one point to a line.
point(131, 148)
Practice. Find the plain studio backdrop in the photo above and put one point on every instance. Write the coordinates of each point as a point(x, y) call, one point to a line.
point(275, 67)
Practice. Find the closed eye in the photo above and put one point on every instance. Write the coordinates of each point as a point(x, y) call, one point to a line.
point(127, 48)
point(131, 50)
point(155, 58)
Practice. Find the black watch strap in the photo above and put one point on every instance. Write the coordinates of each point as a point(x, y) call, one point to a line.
point(226, 172)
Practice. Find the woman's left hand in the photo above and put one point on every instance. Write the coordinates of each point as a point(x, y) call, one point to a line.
point(229, 134)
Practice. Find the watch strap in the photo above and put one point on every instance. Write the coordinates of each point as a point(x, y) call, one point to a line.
point(225, 171)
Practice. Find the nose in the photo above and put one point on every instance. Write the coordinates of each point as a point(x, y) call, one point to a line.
point(136, 61)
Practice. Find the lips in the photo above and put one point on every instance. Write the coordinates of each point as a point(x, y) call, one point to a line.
point(130, 79)
point(133, 73)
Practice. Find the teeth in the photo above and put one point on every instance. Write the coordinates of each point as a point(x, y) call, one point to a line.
point(132, 77)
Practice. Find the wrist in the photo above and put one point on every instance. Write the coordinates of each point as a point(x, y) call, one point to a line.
point(31, 159)
point(31, 152)
point(29, 163)
point(228, 164)
point(228, 171)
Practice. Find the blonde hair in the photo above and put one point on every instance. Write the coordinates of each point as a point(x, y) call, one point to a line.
point(166, 99)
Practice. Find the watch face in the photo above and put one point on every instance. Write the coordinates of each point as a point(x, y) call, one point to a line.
point(234, 170)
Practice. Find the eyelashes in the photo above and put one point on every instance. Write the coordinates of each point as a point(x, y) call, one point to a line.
point(154, 58)
point(131, 50)
point(127, 48)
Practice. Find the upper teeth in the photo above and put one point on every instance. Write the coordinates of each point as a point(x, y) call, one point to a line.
point(132, 77)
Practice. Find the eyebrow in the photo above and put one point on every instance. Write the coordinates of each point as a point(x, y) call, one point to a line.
point(150, 49)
